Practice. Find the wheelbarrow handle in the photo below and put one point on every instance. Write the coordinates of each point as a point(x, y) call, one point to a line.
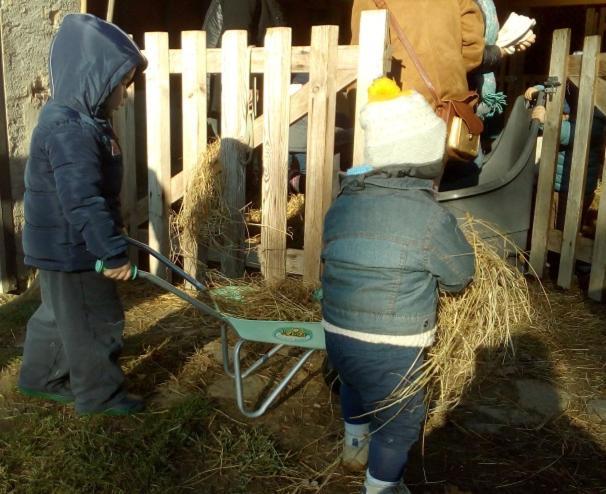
point(170, 265)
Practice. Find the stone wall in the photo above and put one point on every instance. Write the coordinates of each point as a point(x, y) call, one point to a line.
point(27, 29)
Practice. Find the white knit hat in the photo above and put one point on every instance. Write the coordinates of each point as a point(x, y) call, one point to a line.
point(400, 128)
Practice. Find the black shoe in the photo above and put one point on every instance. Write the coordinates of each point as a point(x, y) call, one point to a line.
point(128, 405)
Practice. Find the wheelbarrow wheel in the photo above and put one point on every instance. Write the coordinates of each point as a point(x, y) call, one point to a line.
point(331, 377)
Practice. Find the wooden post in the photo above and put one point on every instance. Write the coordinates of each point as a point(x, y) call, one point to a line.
point(193, 49)
point(560, 48)
point(235, 143)
point(374, 39)
point(320, 143)
point(111, 5)
point(7, 227)
point(83, 6)
point(276, 121)
point(580, 153)
point(124, 125)
point(597, 279)
point(158, 145)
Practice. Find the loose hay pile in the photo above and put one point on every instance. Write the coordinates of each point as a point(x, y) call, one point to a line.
point(481, 318)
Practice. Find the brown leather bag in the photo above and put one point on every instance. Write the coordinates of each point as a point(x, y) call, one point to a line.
point(464, 126)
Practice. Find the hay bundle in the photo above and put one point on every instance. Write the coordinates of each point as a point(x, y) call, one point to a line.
point(482, 317)
point(203, 213)
point(295, 208)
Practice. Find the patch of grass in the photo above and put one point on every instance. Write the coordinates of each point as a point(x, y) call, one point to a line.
point(47, 451)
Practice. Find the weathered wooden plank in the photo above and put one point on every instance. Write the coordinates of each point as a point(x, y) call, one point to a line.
point(580, 153)
point(83, 6)
point(347, 59)
point(551, 137)
point(374, 39)
point(7, 227)
point(193, 45)
point(124, 126)
point(235, 140)
point(158, 146)
point(276, 114)
point(584, 250)
point(320, 144)
point(597, 279)
point(574, 66)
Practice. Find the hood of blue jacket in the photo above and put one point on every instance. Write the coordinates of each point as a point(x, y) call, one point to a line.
point(88, 59)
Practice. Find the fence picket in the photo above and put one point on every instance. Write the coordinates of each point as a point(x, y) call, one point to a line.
point(558, 66)
point(374, 39)
point(194, 93)
point(320, 144)
point(235, 84)
point(158, 145)
point(276, 121)
point(580, 153)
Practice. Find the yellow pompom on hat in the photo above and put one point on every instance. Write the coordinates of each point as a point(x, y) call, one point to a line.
point(400, 127)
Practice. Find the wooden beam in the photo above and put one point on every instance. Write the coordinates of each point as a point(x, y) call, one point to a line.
point(347, 59)
point(584, 245)
point(580, 154)
point(320, 144)
point(83, 6)
point(374, 39)
point(560, 48)
point(574, 66)
point(276, 113)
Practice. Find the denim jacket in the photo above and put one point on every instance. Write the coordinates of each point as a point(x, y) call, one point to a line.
point(388, 246)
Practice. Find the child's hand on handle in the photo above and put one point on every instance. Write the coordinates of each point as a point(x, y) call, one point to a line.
point(122, 273)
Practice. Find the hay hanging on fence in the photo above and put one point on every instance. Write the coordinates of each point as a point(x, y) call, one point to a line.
point(597, 194)
point(203, 214)
point(480, 318)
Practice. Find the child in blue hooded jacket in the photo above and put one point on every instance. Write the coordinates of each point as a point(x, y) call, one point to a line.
point(72, 218)
point(388, 247)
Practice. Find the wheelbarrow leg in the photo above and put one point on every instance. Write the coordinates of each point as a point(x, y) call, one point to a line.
point(225, 350)
point(238, 377)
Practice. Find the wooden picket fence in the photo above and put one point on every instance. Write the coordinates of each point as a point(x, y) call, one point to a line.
point(587, 72)
point(330, 67)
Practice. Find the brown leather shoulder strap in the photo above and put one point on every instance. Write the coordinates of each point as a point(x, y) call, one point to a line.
point(382, 4)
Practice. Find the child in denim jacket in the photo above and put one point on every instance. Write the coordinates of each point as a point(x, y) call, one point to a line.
point(389, 247)
point(72, 218)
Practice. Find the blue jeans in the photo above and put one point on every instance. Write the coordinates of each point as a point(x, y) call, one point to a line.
point(369, 373)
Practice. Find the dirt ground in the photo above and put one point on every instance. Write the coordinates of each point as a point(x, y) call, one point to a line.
point(531, 422)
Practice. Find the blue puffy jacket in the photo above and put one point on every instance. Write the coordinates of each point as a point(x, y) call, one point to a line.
point(74, 171)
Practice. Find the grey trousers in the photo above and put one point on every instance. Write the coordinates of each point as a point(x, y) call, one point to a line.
point(74, 339)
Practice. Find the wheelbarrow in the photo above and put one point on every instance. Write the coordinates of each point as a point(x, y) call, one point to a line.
point(306, 335)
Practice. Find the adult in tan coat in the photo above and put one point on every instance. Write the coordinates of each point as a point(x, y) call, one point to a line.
point(448, 38)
